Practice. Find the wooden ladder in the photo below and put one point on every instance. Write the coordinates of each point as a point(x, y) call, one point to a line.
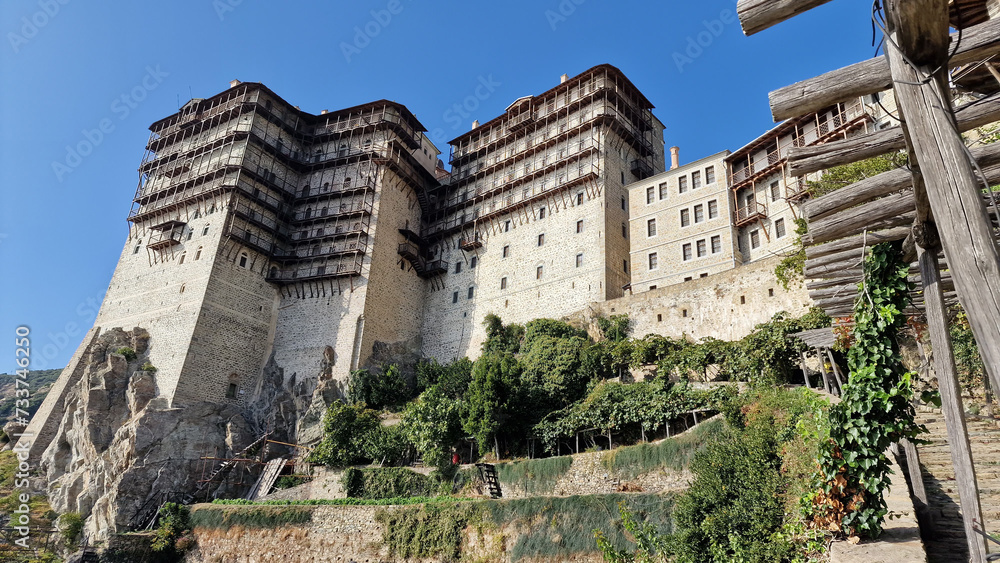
point(267, 478)
point(488, 473)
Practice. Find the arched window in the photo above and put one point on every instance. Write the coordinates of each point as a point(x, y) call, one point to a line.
point(343, 149)
point(309, 212)
point(183, 256)
point(347, 182)
point(315, 250)
point(274, 272)
point(197, 254)
point(243, 259)
point(204, 231)
point(305, 191)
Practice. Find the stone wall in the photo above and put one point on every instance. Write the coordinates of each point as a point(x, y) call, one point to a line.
point(726, 305)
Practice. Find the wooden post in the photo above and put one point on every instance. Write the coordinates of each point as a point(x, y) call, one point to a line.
point(924, 516)
point(951, 401)
point(836, 372)
point(953, 191)
point(822, 369)
point(805, 374)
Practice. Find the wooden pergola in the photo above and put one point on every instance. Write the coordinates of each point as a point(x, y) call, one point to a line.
point(938, 205)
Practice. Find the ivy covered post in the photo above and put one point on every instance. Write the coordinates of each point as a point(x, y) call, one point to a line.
point(876, 409)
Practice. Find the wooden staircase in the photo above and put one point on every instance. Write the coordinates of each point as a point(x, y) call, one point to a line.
point(267, 478)
point(488, 473)
point(946, 542)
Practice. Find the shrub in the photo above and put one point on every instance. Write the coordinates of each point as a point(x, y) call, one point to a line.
point(377, 390)
point(174, 521)
point(347, 431)
point(384, 483)
point(148, 367)
point(129, 353)
point(70, 527)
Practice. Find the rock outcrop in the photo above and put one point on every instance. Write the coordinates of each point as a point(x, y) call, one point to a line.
point(120, 450)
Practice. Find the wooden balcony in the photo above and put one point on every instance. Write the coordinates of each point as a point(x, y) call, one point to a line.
point(749, 213)
point(469, 243)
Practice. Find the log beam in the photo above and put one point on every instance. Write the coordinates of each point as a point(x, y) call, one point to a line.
point(979, 42)
point(953, 191)
point(758, 15)
point(806, 160)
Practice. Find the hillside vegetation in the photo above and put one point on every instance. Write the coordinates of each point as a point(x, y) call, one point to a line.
point(40, 382)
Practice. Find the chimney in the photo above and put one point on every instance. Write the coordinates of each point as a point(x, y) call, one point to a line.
point(234, 83)
point(475, 124)
point(324, 112)
point(563, 78)
point(675, 158)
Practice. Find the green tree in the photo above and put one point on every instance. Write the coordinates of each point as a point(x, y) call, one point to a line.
point(433, 424)
point(348, 431)
point(491, 397)
point(500, 338)
point(377, 390)
point(451, 379)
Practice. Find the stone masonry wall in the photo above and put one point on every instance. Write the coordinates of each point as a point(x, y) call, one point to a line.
point(726, 305)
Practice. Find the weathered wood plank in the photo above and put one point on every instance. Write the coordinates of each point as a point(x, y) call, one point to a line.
point(955, 198)
point(886, 183)
point(867, 77)
point(758, 15)
point(891, 211)
point(806, 160)
point(857, 241)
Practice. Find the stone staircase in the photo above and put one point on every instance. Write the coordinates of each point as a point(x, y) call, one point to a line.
point(947, 542)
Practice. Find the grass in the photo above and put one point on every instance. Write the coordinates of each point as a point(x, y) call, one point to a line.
point(672, 453)
point(399, 501)
point(534, 476)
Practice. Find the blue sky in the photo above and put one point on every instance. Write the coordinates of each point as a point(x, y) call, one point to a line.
point(81, 82)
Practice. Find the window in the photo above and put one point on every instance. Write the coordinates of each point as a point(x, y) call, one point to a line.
point(685, 217)
point(181, 260)
point(754, 238)
point(652, 261)
point(682, 184)
point(136, 251)
point(458, 267)
point(702, 248)
point(696, 179)
point(243, 260)
point(197, 253)
point(687, 279)
point(684, 312)
point(506, 251)
point(503, 282)
point(579, 198)
point(623, 177)
point(651, 228)
point(472, 292)
point(541, 213)
point(743, 299)
point(713, 209)
point(659, 316)
point(625, 266)
point(650, 195)
point(686, 251)
point(623, 203)
point(716, 244)
point(579, 260)
point(663, 191)
point(473, 262)
point(710, 175)
point(454, 297)
point(506, 227)
point(579, 226)
point(699, 213)
point(204, 231)
point(538, 273)
point(770, 292)
point(779, 228)
point(190, 234)
point(541, 239)
point(775, 191)
point(231, 392)
point(624, 230)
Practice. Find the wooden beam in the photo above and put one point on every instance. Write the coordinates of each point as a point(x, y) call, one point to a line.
point(868, 77)
point(891, 211)
point(987, 156)
point(857, 241)
point(951, 403)
point(758, 15)
point(954, 193)
point(805, 160)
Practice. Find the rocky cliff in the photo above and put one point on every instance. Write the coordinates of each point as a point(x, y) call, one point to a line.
point(119, 451)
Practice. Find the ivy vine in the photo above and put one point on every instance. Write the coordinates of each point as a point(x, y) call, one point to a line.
point(876, 408)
